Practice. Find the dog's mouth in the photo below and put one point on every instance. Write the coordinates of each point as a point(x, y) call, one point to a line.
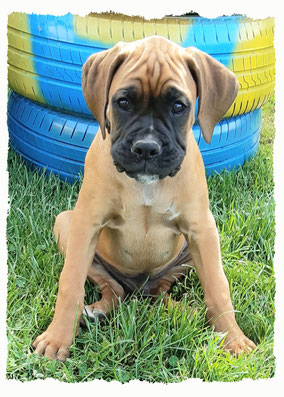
point(145, 177)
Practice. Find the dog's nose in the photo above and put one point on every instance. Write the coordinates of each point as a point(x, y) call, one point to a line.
point(146, 150)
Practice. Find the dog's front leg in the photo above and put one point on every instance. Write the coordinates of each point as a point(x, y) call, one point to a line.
point(204, 246)
point(56, 340)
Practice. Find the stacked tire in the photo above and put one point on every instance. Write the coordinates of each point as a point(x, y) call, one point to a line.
point(48, 120)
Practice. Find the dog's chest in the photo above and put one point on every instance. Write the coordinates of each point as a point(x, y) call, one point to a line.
point(145, 207)
point(152, 203)
point(145, 231)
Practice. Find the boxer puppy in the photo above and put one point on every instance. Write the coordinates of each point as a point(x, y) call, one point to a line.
point(142, 213)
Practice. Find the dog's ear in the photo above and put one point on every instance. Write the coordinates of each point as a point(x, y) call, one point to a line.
point(97, 74)
point(217, 88)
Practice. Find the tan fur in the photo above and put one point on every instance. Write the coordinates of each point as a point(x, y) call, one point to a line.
point(141, 228)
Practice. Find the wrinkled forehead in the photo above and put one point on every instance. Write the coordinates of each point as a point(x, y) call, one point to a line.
point(154, 67)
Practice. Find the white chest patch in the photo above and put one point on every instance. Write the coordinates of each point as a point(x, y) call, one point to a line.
point(149, 192)
point(148, 188)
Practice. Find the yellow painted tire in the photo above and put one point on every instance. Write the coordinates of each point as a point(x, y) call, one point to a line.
point(46, 53)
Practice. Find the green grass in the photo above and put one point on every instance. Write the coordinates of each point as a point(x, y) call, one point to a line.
point(141, 340)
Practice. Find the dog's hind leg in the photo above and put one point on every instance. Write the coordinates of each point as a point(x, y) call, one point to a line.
point(61, 230)
point(112, 292)
point(110, 289)
point(164, 284)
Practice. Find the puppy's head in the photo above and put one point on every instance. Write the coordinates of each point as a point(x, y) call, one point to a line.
point(144, 93)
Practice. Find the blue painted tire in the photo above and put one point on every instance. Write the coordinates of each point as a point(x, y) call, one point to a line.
point(58, 142)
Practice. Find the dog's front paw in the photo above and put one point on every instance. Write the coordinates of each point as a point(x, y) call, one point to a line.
point(53, 343)
point(238, 344)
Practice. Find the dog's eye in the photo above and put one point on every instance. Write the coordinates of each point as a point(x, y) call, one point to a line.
point(178, 107)
point(123, 103)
